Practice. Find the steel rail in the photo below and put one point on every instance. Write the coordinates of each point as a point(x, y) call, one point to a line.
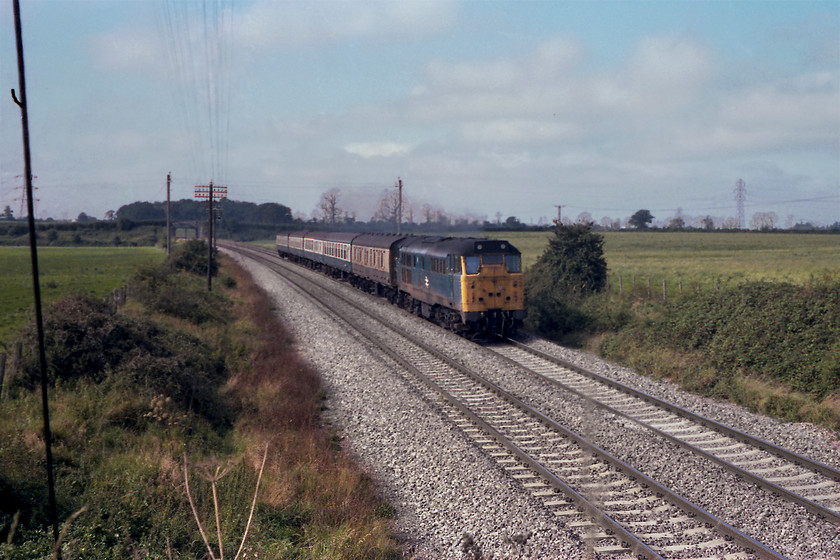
point(601, 518)
point(799, 460)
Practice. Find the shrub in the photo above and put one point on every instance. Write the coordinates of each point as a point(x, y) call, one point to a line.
point(561, 288)
point(85, 339)
point(192, 257)
point(785, 332)
point(178, 295)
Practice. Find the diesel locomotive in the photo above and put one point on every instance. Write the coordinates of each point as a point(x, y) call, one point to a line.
point(469, 285)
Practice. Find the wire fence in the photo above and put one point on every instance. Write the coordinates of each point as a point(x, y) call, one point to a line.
point(660, 288)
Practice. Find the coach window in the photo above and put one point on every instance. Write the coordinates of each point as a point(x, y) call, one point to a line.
point(471, 264)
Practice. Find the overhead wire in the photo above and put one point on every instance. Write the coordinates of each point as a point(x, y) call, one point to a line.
point(196, 36)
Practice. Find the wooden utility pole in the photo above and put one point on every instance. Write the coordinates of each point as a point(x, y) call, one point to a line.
point(210, 193)
point(36, 285)
point(168, 221)
point(210, 240)
point(399, 205)
point(560, 213)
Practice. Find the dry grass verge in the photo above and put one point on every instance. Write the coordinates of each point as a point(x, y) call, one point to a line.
point(328, 502)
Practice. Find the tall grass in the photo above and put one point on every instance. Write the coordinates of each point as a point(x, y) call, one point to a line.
point(161, 385)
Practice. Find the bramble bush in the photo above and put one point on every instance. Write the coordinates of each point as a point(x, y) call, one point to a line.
point(86, 340)
point(780, 331)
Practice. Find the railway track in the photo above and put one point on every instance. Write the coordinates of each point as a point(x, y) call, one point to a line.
point(619, 510)
point(810, 484)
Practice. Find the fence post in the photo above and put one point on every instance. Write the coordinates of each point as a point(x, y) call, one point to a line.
point(16, 357)
point(680, 289)
point(2, 375)
point(620, 284)
point(664, 291)
point(634, 285)
point(648, 286)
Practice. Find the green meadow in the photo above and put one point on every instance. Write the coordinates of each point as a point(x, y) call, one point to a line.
point(94, 271)
point(705, 259)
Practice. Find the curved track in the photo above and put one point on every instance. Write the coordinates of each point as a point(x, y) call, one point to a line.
point(618, 509)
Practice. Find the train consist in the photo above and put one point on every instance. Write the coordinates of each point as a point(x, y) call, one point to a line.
point(469, 285)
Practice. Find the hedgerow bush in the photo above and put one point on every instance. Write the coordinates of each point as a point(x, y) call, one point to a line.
point(191, 256)
point(181, 295)
point(780, 331)
point(85, 339)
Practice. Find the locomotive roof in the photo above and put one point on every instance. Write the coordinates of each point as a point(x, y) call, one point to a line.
point(465, 246)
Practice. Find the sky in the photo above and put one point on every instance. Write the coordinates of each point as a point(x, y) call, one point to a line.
point(489, 108)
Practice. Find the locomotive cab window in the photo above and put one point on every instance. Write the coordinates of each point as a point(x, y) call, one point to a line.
point(513, 263)
point(491, 259)
point(472, 264)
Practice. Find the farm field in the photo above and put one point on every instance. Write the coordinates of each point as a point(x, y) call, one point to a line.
point(705, 259)
point(64, 270)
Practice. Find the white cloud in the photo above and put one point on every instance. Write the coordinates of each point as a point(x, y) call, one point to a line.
point(271, 23)
point(518, 131)
point(377, 149)
point(126, 50)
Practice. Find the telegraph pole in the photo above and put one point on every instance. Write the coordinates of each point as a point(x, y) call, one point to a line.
point(210, 193)
point(560, 212)
point(168, 222)
point(399, 206)
point(210, 240)
point(36, 285)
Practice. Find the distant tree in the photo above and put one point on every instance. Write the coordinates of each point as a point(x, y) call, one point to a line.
point(641, 219)
point(85, 218)
point(708, 223)
point(7, 213)
point(389, 207)
point(143, 211)
point(729, 223)
point(329, 210)
point(606, 222)
point(584, 218)
point(110, 215)
point(513, 222)
point(764, 220)
point(676, 223)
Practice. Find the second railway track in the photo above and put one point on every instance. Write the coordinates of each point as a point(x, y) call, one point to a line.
point(808, 483)
point(627, 513)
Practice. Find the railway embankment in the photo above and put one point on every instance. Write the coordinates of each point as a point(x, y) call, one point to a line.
point(180, 382)
point(772, 347)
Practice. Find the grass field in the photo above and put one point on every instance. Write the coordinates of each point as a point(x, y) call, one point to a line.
point(705, 259)
point(64, 270)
